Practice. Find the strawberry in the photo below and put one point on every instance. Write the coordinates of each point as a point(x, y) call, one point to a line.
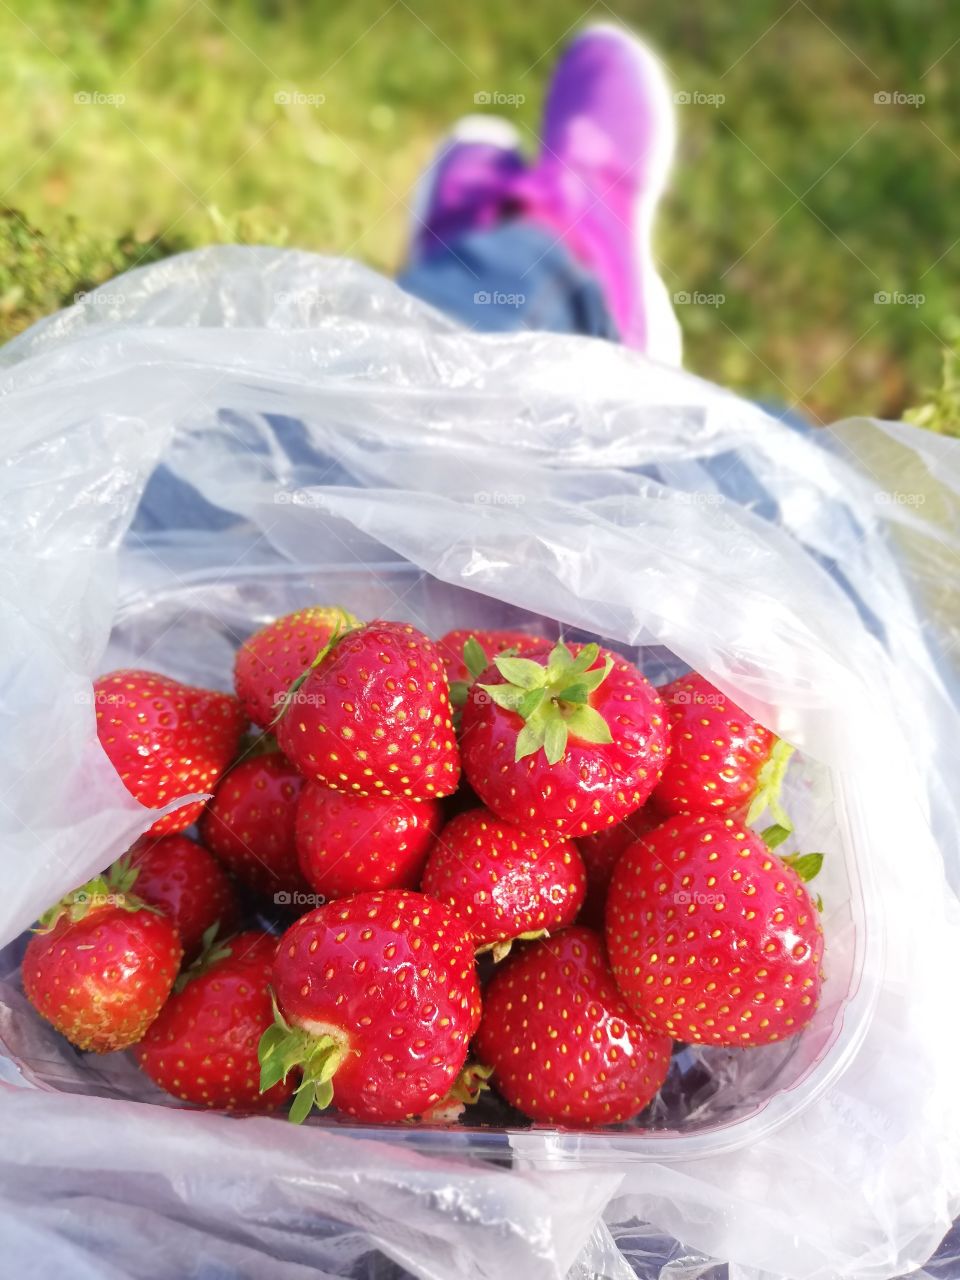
point(571, 740)
point(722, 762)
point(601, 852)
point(374, 717)
point(274, 657)
point(347, 844)
point(101, 965)
point(203, 1046)
point(578, 1056)
point(377, 1000)
point(166, 739)
point(504, 881)
point(712, 937)
point(466, 654)
point(249, 825)
point(187, 884)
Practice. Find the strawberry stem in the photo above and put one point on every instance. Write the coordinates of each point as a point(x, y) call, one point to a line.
point(344, 625)
point(110, 888)
point(212, 951)
point(501, 949)
point(470, 1083)
point(769, 784)
point(552, 700)
point(283, 1048)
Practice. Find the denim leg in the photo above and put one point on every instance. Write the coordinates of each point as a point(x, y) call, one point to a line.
point(514, 276)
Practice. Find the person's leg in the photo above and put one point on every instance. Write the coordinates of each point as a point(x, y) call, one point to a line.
point(564, 244)
point(514, 276)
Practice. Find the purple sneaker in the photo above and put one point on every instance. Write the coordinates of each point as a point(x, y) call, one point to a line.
point(467, 184)
point(608, 140)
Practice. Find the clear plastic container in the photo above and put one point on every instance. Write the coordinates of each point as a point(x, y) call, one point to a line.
point(714, 1098)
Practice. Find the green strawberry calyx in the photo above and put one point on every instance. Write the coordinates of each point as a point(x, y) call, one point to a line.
point(212, 951)
point(470, 1083)
point(112, 888)
point(466, 1090)
point(553, 699)
point(283, 1048)
point(769, 785)
point(501, 949)
point(345, 623)
point(476, 662)
point(806, 865)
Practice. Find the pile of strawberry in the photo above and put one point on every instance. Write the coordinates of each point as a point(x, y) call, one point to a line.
point(490, 793)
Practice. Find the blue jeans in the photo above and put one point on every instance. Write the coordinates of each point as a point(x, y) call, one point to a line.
point(514, 276)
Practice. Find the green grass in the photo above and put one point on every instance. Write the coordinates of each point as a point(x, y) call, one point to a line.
point(798, 199)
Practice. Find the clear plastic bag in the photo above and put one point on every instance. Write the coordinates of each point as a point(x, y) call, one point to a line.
point(238, 431)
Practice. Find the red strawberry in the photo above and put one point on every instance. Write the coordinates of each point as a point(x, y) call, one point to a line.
point(249, 825)
point(466, 654)
point(374, 717)
point(571, 741)
point(579, 1056)
point(166, 739)
point(101, 966)
point(711, 936)
point(601, 852)
point(203, 1046)
point(378, 999)
point(187, 884)
point(271, 660)
point(347, 844)
point(722, 762)
point(504, 881)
